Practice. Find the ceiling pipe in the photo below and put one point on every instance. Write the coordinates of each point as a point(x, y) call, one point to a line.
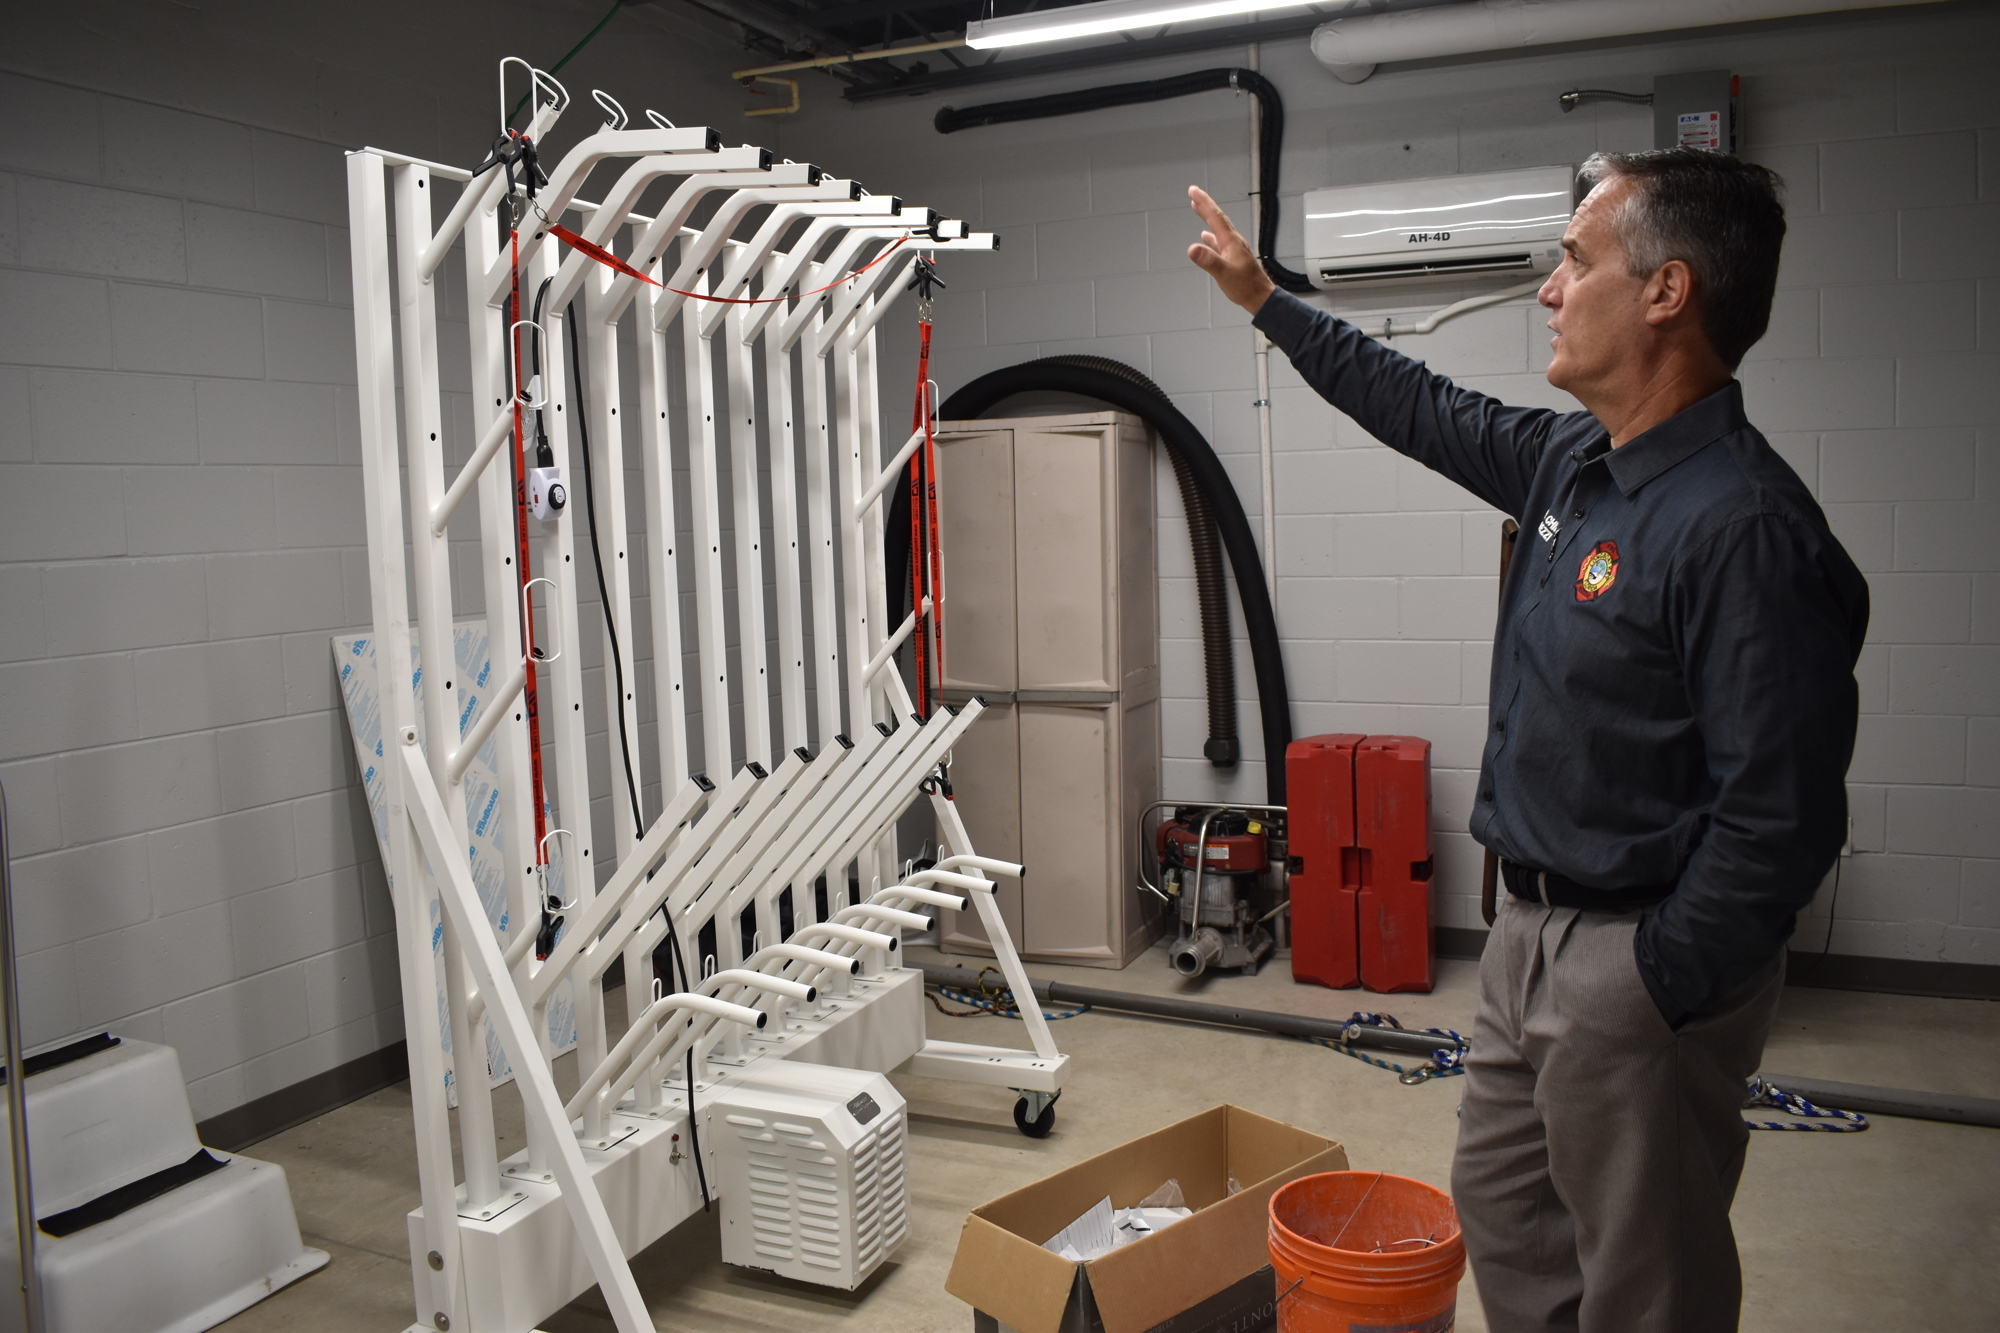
point(1353, 47)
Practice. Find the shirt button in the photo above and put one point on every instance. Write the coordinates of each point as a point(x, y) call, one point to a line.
point(1500, 724)
point(1486, 795)
point(1577, 514)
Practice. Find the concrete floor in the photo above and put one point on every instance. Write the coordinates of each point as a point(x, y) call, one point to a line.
point(1893, 1228)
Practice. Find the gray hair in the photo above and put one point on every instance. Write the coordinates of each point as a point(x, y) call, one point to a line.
point(1719, 215)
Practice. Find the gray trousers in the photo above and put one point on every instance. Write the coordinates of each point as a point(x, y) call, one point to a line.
point(1598, 1148)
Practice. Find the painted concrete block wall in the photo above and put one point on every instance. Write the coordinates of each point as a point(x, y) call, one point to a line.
point(1876, 382)
point(185, 533)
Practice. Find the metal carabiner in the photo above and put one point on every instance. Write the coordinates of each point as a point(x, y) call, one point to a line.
point(521, 386)
point(542, 851)
point(1423, 1073)
point(542, 658)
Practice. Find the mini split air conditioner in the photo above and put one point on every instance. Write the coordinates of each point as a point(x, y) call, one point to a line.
point(1495, 223)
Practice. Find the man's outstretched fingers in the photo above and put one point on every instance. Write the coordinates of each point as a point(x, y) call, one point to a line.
point(1226, 256)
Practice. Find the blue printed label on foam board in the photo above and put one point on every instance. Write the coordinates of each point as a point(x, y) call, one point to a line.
point(485, 814)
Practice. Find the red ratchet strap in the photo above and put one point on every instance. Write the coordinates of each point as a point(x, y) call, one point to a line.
point(926, 557)
point(530, 696)
point(605, 257)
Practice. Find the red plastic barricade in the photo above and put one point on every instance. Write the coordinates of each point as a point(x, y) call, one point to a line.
point(1359, 815)
point(1319, 796)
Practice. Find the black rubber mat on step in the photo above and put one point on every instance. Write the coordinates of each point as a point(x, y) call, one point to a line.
point(127, 1197)
point(45, 1061)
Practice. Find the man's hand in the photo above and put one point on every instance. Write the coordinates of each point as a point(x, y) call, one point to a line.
point(1224, 255)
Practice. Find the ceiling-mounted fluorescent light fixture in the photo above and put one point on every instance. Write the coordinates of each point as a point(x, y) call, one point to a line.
point(1091, 20)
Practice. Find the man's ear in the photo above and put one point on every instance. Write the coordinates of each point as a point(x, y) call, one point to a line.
point(1670, 293)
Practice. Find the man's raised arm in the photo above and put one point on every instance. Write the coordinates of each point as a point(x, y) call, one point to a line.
point(1484, 445)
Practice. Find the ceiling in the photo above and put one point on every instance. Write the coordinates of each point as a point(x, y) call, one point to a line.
point(785, 30)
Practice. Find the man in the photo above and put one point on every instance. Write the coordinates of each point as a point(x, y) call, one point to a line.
point(1671, 719)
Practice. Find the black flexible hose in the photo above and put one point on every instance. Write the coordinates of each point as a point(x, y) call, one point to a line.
point(1129, 391)
point(1223, 748)
point(1270, 134)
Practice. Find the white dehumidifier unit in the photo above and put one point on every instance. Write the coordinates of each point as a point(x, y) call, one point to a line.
point(809, 1164)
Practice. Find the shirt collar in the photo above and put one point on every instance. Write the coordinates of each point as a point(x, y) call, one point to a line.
point(1679, 437)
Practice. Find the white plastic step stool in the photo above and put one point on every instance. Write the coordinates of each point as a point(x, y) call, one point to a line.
point(180, 1262)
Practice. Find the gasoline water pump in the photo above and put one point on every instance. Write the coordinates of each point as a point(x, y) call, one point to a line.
point(1223, 870)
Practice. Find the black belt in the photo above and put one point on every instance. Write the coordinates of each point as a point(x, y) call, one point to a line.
point(1546, 886)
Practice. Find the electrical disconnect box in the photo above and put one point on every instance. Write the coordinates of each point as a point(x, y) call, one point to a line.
point(1053, 620)
point(1695, 110)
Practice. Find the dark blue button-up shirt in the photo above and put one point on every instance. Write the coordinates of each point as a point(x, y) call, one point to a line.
point(1673, 697)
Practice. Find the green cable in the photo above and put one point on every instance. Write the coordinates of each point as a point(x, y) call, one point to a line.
point(616, 5)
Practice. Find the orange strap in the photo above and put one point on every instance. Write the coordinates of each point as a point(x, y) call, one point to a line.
point(530, 695)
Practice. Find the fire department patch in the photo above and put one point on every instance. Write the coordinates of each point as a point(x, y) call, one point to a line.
point(1598, 572)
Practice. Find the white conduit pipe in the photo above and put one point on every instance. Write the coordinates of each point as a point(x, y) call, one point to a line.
point(1388, 328)
point(1260, 353)
point(1353, 47)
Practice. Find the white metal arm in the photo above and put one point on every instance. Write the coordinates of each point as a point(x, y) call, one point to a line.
point(614, 1074)
point(911, 893)
point(992, 867)
point(605, 220)
point(880, 914)
point(758, 250)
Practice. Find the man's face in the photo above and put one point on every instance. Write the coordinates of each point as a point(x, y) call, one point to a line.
point(1597, 308)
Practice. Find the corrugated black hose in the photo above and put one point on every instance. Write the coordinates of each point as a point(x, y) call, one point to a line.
point(1270, 134)
point(1127, 390)
point(1222, 748)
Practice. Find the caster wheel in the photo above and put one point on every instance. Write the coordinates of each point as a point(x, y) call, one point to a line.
point(1039, 1127)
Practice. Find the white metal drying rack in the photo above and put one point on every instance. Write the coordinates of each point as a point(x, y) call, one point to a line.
point(785, 799)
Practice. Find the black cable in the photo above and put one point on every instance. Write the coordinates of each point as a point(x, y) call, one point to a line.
point(1270, 134)
point(618, 674)
point(1832, 905)
point(597, 558)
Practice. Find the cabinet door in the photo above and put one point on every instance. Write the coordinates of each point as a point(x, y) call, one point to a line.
point(1068, 801)
point(976, 525)
point(1063, 527)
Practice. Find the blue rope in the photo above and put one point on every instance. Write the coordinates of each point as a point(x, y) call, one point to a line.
point(996, 1000)
point(1450, 1060)
point(1444, 1062)
point(1790, 1103)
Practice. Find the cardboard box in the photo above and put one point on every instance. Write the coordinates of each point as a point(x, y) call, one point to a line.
point(1209, 1271)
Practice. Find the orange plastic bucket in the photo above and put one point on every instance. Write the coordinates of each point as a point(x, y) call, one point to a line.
point(1365, 1252)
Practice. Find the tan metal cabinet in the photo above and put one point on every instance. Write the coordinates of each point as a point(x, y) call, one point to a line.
point(1052, 616)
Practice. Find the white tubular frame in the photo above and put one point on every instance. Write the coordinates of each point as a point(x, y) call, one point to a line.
point(784, 747)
